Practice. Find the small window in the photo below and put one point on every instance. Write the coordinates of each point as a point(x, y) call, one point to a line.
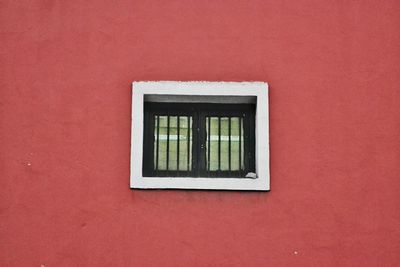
point(200, 135)
point(198, 140)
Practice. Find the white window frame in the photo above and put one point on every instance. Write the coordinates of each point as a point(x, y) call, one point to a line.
point(220, 90)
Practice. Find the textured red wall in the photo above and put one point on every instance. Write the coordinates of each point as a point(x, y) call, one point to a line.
point(66, 72)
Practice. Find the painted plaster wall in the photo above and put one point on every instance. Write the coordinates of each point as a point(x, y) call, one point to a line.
point(334, 76)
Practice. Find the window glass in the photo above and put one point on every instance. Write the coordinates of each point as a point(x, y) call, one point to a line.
point(198, 140)
point(185, 143)
point(224, 144)
point(172, 143)
point(237, 161)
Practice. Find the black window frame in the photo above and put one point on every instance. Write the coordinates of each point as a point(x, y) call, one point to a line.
point(198, 112)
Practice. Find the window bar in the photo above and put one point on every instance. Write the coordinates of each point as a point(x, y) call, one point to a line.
point(209, 143)
point(158, 137)
point(188, 143)
point(219, 143)
point(229, 149)
point(240, 146)
point(177, 146)
point(167, 142)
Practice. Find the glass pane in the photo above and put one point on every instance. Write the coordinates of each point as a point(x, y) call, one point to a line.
point(224, 144)
point(184, 141)
point(173, 137)
point(168, 143)
point(162, 143)
point(213, 160)
point(235, 144)
point(212, 137)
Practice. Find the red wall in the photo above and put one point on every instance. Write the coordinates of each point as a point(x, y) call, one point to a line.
point(66, 72)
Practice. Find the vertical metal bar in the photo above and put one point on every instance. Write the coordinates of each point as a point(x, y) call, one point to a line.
point(200, 144)
point(167, 142)
point(158, 138)
point(229, 134)
point(188, 143)
point(249, 131)
point(209, 143)
point(177, 145)
point(219, 143)
point(240, 145)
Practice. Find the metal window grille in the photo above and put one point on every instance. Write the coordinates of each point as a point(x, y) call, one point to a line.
point(198, 140)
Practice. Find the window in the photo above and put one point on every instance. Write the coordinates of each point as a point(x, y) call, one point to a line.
point(200, 135)
point(198, 140)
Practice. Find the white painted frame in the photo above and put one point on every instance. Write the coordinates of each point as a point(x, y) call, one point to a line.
point(217, 89)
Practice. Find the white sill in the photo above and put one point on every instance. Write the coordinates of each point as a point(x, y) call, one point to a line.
point(202, 183)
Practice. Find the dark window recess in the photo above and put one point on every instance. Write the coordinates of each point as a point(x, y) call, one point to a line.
point(198, 140)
